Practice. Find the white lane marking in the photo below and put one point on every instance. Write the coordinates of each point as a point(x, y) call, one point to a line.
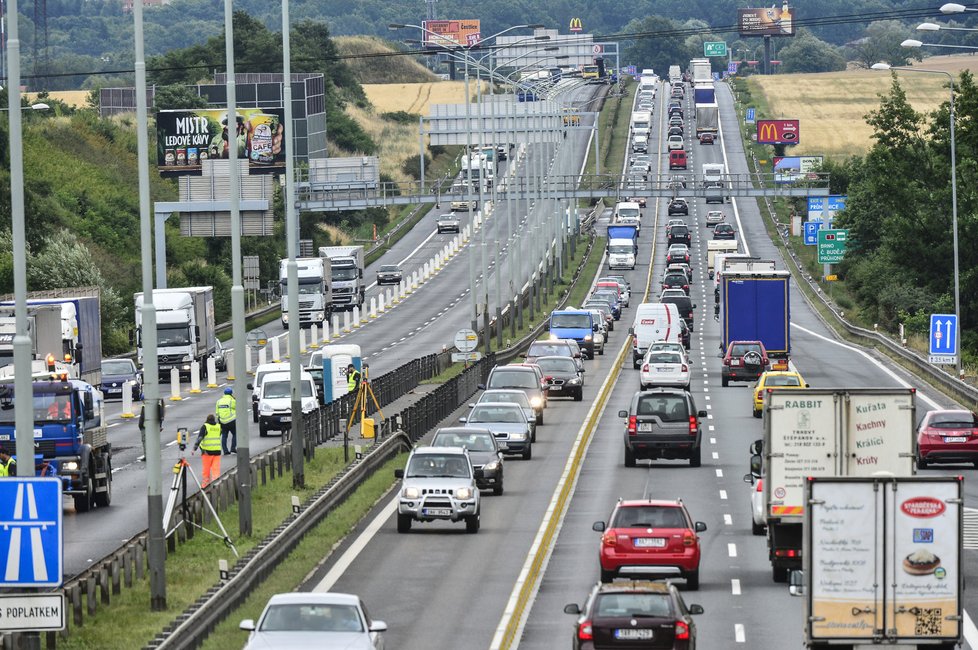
point(735, 586)
point(171, 443)
point(356, 547)
point(970, 631)
point(739, 635)
point(114, 424)
point(713, 441)
point(727, 520)
point(711, 428)
point(716, 456)
point(719, 473)
point(879, 365)
point(723, 494)
point(732, 549)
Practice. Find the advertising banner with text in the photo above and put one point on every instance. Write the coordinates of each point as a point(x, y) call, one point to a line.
point(767, 22)
point(777, 131)
point(451, 33)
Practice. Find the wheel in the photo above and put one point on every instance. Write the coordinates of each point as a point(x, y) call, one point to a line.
point(262, 429)
point(579, 396)
point(724, 381)
point(472, 524)
point(601, 351)
point(539, 418)
point(84, 502)
point(528, 452)
point(923, 464)
point(608, 576)
point(756, 529)
point(629, 457)
point(686, 387)
point(757, 413)
point(254, 413)
point(533, 434)
point(498, 488)
point(693, 580)
point(104, 499)
point(696, 459)
point(403, 523)
point(780, 574)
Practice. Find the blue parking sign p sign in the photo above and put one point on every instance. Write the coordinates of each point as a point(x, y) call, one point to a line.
point(31, 543)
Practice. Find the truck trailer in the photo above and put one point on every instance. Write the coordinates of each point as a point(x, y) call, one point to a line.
point(756, 306)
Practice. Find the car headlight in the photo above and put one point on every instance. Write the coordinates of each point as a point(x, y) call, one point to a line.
point(70, 466)
point(588, 338)
point(318, 316)
point(464, 493)
point(575, 381)
point(265, 409)
point(411, 492)
point(536, 402)
point(491, 467)
point(518, 436)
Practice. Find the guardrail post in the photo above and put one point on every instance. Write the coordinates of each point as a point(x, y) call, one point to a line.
point(276, 356)
point(346, 321)
point(382, 301)
point(287, 347)
point(175, 385)
point(336, 324)
point(313, 337)
point(325, 332)
point(247, 359)
point(397, 293)
point(211, 372)
point(194, 377)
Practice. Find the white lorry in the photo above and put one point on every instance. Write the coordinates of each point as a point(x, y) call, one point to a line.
point(825, 432)
point(44, 329)
point(479, 168)
point(315, 295)
point(346, 263)
point(707, 119)
point(883, 562)
point(185, 326)
point(641, 124)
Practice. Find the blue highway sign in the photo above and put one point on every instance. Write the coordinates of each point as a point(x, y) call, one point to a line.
point(749, 118)
point(31, 534)
point(811, 232)
point(943, 337)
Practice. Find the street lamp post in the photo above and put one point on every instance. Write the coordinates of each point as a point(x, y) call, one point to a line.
point(954, 204)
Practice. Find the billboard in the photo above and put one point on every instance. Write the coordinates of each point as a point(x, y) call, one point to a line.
point(777, 131)
point(788, 169)
point(185, 138)
point(766, 22)
point(451, 33)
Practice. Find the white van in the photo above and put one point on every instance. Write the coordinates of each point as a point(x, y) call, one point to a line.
point(621, 254)
point(275, 401)
point(629, 213)
point(655, 321)
point(261, 372)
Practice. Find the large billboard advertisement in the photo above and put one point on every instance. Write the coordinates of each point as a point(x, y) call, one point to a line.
point(767, 22)
point(777, 131)
point(451, 33)
point(185, 138)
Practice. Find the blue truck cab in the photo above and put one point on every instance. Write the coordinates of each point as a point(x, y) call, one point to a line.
point(576, 324)
point(70, 437)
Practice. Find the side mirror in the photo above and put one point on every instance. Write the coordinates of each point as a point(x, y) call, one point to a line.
point(796, 583)
point(701, 414)
point(755, 465)
point(757, 447)
point(695, 609)
point(631, 330)
point(583, 370)
point(699, 527)
point(462, 419)
point(749, 478)
point(481, 386)
point(471, 405)
point(594, 327)
point(398, 473)
point(573, 608)
point(808, 385)
point(380, 626)
point(694, 305)
point(248, 624)
point(250, 387)
point(598, 526)
point(623, 414)
point(88, 403)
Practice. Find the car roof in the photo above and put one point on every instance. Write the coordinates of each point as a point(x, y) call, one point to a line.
point(270, 367)
point(460, 451)
point(462, 431)
point(279, 376)
point(662, 503)
point(319, 598)
point(621, 586)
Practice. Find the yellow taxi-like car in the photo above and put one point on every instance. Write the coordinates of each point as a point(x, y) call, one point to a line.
point(775, 379)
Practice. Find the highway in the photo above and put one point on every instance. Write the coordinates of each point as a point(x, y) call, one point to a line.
point(423, 323)
point(438, 587)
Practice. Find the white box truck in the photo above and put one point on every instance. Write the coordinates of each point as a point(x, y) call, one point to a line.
point(826, 432)
point(641, 124)
point(883, 562)
point(315, 294)
point(184, 328)
point(346, 263)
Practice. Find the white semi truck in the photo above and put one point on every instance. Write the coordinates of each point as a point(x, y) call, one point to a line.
point(346, 264)
point(315, 294)
point(185, 326)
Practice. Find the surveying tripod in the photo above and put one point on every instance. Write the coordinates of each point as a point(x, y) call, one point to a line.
point(360, 401)
point(180, 470)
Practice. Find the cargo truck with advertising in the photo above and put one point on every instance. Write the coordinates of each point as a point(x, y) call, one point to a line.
point(883, 562)
point(80, 328)
point(825, 432)
point(479, 168)
point(700, 71)
point(622, 232)
point(315, 294)
point(185, 329)
point(703, 93)
point(70, 435)
point(346, 264)
point(707, 119)
point(755, 306)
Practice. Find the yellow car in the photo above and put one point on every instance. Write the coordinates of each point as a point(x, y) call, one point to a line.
point(775, 379)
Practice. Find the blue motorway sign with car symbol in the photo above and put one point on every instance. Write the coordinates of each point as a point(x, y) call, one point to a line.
point(31, 539)
point(943, 338)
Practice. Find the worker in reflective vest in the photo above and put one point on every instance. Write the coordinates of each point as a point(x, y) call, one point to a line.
point(209, 443)
point(226, 410)
point(8, 466)
point(352, 379)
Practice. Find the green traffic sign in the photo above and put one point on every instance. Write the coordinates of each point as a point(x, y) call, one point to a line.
point(831, 245)
point(714, 48)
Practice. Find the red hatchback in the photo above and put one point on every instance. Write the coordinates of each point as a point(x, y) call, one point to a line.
point(650, 538)
point(947, 437)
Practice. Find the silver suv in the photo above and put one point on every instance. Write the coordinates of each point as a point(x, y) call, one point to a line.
point(438, 483)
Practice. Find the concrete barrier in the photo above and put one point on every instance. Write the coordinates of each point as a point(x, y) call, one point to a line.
point(175, 385)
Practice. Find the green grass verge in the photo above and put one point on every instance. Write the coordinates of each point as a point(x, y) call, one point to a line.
point(450, 372)
point(307, 556)
point(613, 125)
point(193, 568)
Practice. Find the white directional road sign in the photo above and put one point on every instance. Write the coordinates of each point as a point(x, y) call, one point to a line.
point(32, 612)
point(31, 544)
point(943, 338)
point(466, 340)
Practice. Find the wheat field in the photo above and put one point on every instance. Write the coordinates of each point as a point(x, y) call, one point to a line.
point(832, 106)
point(417, 97)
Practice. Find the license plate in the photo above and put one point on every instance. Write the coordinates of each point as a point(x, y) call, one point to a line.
point(285, 418)
point(634, 634)
point(663, 369)
point(735, 362)
point(644, 426)
point(955, 439)
point(649, 542)
point(438, 512)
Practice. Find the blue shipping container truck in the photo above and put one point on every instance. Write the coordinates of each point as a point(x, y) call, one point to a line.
point(624, 232)
point(704, 94)
point(756, 307)
point(574, 324)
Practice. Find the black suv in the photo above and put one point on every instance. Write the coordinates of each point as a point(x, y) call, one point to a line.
point(724, 231)
point(676, 280)
point(483, 451)
point(685, 306)
point(678, 206)
point(662, 423)
point(631, 613)
point(680, 235)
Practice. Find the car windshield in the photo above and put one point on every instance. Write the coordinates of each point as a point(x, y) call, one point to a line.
point(740, 349)
point(665, 357)
point(610, 296)
point(724, 227)
point(117, 367)
point(575, 321)
point(279, 389)
point(661, 345)
point(782, 380)
point(632, 605)
point(621, 248)
point(517, 397)
point(679, 230)
point(170, 336)
point(952, 420)
point(563, 364)
point(513, 379)
point(496, 413)
point(548, 350)
point(629, 213)
point(308, 617)
point(437, 466)
point(389, 269)
point(668, 408)
point(472, 441)
point(675, 278)
point(649, 517)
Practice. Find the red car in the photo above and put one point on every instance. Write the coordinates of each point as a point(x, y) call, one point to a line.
point(650, 538)
point(744, 361)
point(707, 138)
point(947, 437)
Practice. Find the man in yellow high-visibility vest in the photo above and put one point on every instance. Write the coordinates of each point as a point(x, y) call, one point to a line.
point(226, 411)
point(209, 443)
point(8, 466)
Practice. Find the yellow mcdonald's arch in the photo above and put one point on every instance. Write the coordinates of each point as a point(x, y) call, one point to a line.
point(576, 25)
point(767, 132)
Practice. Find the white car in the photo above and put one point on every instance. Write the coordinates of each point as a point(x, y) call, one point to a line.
point(713, 217)
point(675, 142)
point(314, 620)
point(663, 368)
point(601, 333)
point(275, 401)
point(672, 293)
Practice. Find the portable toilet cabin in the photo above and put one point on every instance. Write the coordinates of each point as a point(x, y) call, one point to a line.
point(336, 358)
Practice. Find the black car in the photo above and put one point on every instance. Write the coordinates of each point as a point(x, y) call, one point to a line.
point(389, 274)
point(678, 206)
point(563, 376)
point(675, 110)
point(317, 376)
point(484, 452)
point(634, 614)
point(115, 372)
point(724, 231)
point(676, 280)
point(677, 256)
point(662, 423)
point(675, 130)
point(525, 378)
point(685, 306)
point(680, 235)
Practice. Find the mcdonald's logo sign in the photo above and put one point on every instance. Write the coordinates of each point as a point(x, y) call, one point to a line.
point(777, 131)
point(576, 25)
